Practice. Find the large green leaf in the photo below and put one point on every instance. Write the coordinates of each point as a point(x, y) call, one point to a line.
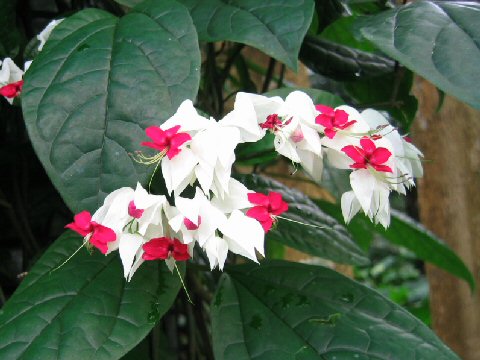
point(85, 309)
point(406, 232)
point(99, 82)
point(437, 39)
point(341, 62)
point(319, 234)
point(284, 311)
point(276, 27)
point(343, 31)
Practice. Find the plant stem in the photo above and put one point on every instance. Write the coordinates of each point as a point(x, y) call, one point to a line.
point(269, 75)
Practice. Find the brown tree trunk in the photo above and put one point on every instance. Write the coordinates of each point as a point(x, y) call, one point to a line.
point(449, 201)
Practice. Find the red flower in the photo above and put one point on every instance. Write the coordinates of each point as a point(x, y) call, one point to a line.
point(267, 207)
point(273, 122)
point(133, 211)
point(368, 154)
point(169, 140)
point(12, 90)
point(164, 248)
point(332, 120)
point(100, 235)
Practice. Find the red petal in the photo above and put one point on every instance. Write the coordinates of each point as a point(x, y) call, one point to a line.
point(379, 156)
point(101, 236)
point(367, 145)
point(81, 223)
point(172, 152)
point(153, 145)
point(324, 120)
point(281, 209)
point(327, 110)
point(179, 139)
point(382, 168)
point(267, 224)
point(258, 199)
point(83, 219)
point(346, 125)
point(341, 117)
point(355, 153)
point(169, 133)
point(157, 135)
point(180, 251)
point(359, 166)
point(157, 248)
point(259, 213)
point(9, 91)
point(330, 133)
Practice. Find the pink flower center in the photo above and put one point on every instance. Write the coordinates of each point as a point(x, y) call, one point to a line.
point(297, 135)
point(332, 120)
point(190, 225)
point(133, 211)
point(274, 123)
point(368, 155)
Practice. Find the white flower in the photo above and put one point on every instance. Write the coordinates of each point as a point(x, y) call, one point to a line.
point(404, 164)
point(135, 216)
point(208, 157)
point(218, 225)
point(45, 33)
point(293, 123)
point(195, 219)
point(10, 80)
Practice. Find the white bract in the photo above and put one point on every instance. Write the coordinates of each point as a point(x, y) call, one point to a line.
point(208, 157)
point(131, 232)
point(293, 123)
point(45, 33)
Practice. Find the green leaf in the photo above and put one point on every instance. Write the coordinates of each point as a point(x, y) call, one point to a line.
point(276, 27)
point(341, 62)
point(85, 309)
point(343, 32)
point(319, 234)
point(406, 232)
point(129, 3)
point(436, 39)
point(98, 83)
point(318, 96)
point(284, 311)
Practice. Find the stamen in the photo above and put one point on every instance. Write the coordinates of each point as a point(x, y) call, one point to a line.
point(183, 284)
point(299, 222)
point(141, 158)
point(85, 241)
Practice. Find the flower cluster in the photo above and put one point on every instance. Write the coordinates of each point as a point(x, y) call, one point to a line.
point(223, 215)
